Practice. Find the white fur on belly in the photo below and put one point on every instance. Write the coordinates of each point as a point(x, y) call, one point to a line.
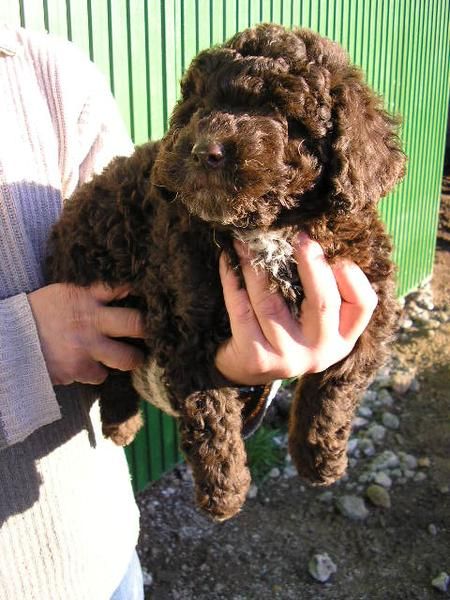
point(273, 253)
point(148, 382)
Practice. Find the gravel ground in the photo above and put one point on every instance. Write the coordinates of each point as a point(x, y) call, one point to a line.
point(383, 532)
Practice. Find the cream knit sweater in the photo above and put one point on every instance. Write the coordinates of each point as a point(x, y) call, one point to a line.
point(68, 520)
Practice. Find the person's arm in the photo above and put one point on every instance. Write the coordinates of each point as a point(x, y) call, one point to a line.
point(90, 133)
point(267, 343)
point(27, 399)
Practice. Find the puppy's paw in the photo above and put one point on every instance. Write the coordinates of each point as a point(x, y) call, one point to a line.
point(124, 433)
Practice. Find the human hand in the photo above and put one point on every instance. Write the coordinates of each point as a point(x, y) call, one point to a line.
point(267, 342)
point(76, 328)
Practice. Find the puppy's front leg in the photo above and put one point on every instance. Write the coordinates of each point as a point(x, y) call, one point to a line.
point(211, 439)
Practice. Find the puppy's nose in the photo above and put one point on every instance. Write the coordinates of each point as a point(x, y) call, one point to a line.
point(211, 154)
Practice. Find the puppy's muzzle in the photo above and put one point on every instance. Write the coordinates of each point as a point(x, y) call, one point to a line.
point(209, 154)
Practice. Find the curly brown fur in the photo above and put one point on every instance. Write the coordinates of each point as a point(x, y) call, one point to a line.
point(212, 442)
point(275, 132)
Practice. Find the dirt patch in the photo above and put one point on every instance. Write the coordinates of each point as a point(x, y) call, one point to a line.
point(392, 552)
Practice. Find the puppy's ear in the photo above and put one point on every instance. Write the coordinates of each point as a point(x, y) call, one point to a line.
point(366, 156)
point(182, 112)
point(201, 75)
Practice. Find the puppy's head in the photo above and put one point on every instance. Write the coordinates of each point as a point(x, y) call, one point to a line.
point(276, 120)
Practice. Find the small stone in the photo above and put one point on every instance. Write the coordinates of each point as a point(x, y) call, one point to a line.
point(441, 582)
point(427, 303)
point(407, 461)
point(432, 529)
point(326, 497)
point(147, 578)
point(366, 446)
point(383, 479)
point(352, 507)
point(399, 439)
point(390, 421)
point(415, 386)
point(379, 496)
point(444, 489)
point(377, 432)
point(274, 473)
point(276, 589)
point(424, 462)
point(369, 396)
point(405, 323)
point(386, 460)
point(422, 318)
point(442, 316)
point(253, 491)
point(382, 378)
point(186, 473)
point(421, 476)
point(396, 473)
point(365, 477)
point(385, 399)
point(352, 446)
point(434, 323)
point(365, 411)
point(289, 471)
point(321, 567)
point(280, 440)
point(401, 381)
point(359, 422)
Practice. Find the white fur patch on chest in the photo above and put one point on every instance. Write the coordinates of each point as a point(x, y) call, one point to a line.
point(272, 252)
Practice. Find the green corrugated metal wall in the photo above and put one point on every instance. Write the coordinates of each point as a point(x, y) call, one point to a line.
point(143, 46)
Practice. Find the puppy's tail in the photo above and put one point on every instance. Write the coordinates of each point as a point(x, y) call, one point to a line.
point(210, 428)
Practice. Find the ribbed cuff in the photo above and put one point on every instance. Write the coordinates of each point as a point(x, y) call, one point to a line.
point(27, 398)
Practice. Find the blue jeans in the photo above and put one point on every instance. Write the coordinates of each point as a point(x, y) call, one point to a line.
point(132, 586)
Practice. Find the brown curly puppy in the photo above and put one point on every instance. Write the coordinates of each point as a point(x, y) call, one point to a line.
point(275, 132)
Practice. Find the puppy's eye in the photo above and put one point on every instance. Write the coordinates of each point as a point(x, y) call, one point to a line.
point(296, 130)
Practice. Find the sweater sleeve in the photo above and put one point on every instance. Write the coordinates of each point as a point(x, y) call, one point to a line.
point(90, 133)
point(28, 400)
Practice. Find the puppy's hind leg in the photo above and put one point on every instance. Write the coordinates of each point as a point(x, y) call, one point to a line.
point(119, 408)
